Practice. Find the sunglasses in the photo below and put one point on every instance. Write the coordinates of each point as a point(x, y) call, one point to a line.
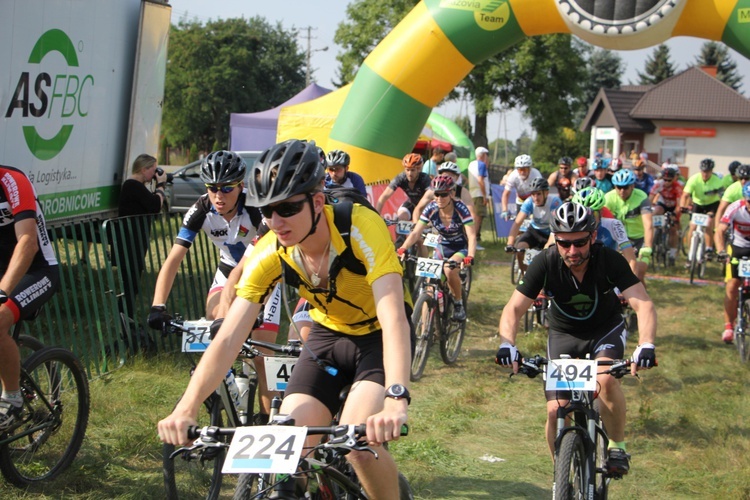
point(579, 243)
point(224, 189)
point(286, 209)
point(624, 188)
point(334, 168)
point(638, 170)
point(443, 194)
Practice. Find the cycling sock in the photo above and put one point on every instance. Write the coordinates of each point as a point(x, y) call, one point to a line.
point(728, 326)
point(616, 444)
point(13, 397)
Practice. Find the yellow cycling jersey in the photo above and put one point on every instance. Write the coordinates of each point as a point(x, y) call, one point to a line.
point(352, 309)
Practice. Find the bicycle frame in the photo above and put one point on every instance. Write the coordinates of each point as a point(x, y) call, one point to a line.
point(743, 313)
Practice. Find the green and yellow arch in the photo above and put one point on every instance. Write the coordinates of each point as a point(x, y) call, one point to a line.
point(399, 83)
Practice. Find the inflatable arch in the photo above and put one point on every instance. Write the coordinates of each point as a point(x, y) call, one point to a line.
point(399, 83)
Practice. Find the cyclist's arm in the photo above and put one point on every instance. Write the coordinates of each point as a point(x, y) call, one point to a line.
point(719, 237)
point(23, 254)
point(414, 235)
point(389, 300)
point(426, 198)
point(215, 362)
point(552, 178)
point(166, 277)
point(506, 197)
point(648, 229)
point(516, 228)
point(644, 308)
point(383, 198)
point(722, 208)
point(512, 314)
point(229, 292)
point(685, 199)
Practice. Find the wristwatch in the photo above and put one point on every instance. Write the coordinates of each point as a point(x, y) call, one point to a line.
point(398, 391)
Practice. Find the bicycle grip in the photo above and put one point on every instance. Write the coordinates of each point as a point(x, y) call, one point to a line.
point(194, 432)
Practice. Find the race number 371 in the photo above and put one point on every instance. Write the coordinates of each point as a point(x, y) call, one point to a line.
point(265, 449)
point(571, 374)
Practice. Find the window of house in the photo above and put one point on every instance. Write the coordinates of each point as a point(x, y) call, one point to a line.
point(673, 151)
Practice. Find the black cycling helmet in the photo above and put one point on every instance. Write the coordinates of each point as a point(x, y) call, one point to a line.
point(565, 160)
point(538, 184)
point(289, 168)
point(322, 155)
point(573, 218)
point(223, 167)
point(707, 165)
point(733, 167)
point(583, 183)
point(337, 157)
point(743, 171)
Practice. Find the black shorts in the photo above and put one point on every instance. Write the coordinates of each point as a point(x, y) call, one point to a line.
point(706, 209)
point(356, 357)
point(737, 253)
point(534, 238)
point(33, 291)
point(665, 207)
point(610, 344)
point(408, 205)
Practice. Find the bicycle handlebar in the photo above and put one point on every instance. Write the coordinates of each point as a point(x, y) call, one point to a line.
point(531, 367)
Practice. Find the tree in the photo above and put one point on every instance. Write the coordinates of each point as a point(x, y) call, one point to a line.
point(717, 54)
point(224, 66)
point(658, 67)
point(604, 69)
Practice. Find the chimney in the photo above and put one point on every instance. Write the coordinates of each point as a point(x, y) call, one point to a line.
point(710, 70)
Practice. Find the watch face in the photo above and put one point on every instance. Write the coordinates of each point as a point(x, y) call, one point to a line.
point(397, 390)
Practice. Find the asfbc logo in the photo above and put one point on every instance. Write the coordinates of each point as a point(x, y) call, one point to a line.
point(58, 96)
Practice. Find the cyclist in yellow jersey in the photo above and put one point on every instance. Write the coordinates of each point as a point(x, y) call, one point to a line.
point(704, 188)
point(632, 207)
point(360, 328)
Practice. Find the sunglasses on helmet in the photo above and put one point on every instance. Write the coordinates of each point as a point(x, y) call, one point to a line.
point(285, 209)
point(579, 243)
point(226, 189)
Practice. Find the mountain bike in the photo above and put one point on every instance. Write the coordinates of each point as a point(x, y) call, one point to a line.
point(233, 404)
point(48, 435)
point(516, 274)
point(536, 314)
point(697, 253)
point(581, 469)
point(663, 225)
point(742, 326)
point(433, 316)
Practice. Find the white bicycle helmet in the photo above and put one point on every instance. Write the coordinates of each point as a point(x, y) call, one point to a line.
point(523, 161)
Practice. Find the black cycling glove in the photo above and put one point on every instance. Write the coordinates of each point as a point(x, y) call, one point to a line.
point(158, 317)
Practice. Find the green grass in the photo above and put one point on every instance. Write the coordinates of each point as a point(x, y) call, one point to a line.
point(688, 427)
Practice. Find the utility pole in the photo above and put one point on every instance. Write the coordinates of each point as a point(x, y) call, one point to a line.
point(309, 38)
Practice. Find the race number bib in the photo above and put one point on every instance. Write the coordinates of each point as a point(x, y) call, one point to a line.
point(429, 268)
point(198, 337)
point(529, 255)
point(432, 240)
point(659, 220)
point(743, 269)
point(265, 449)
point(278, 372)
point(571, 374)
point(404, 227)
point(700, 219)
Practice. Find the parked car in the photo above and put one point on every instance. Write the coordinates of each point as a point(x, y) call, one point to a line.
point(186, 186)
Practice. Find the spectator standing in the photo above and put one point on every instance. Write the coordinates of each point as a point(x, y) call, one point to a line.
point(430, 166)
point(479, 188)
point(130, 237)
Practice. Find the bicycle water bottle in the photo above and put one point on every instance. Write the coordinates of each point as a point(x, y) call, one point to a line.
point(234, 391)
point(243, 382)
point(440, 301)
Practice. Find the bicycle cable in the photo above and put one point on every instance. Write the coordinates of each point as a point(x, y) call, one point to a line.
point(331, 370)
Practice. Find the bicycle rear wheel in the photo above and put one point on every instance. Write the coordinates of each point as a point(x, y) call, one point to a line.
point(198, 477)
point(570, 468)
point(56, 413)
point(423, 319)
point(452, 336)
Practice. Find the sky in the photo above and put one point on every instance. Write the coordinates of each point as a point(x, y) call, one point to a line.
point(323, 16)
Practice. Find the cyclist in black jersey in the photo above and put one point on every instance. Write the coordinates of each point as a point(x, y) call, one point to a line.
point(412, 181)
point(29, 277)
point(580, 276)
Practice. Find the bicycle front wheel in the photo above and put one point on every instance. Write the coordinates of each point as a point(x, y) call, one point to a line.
point(451, 340)
point(570, 468)
point(423, 319)
point(197, 477)
point(56, 413)
point(740, 335)
point(466, 277)
point(515, 270)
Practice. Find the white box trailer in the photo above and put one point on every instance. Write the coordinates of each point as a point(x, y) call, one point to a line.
point(81, 95)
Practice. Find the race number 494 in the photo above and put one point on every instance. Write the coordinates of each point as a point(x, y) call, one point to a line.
point(571, 374)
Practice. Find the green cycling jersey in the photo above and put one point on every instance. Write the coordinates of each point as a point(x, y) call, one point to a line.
point(704, 192)
point(629, 211)
point(733, 192)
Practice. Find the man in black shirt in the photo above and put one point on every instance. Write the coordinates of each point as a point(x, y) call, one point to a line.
point(412, 181)
point(581, 279)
